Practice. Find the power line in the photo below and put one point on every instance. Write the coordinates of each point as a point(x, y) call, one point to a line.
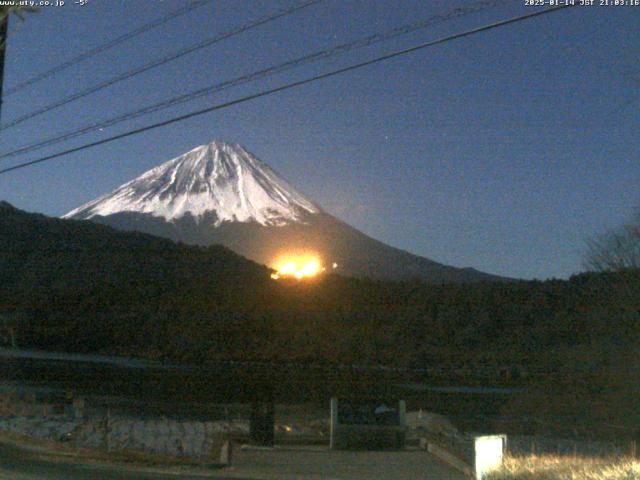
point(107, 46)
point(288, 86)
point(260, 74)
point(159, 62)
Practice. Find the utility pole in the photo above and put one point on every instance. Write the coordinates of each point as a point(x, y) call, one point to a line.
point(4, 24)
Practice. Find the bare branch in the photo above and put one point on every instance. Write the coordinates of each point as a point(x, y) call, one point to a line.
point(618, 249)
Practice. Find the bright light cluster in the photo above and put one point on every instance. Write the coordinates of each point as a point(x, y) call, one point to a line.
point(299, 267)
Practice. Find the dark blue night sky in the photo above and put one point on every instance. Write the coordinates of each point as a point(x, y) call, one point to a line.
point(503, 151)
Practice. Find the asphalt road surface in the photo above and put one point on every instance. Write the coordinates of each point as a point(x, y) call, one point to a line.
point(17, 464)
point(277, 464)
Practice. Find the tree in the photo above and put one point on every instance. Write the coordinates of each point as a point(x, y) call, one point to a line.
point(5, 12)
point(615, 250)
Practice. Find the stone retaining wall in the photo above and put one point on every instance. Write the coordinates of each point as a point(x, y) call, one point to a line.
point(76, 424)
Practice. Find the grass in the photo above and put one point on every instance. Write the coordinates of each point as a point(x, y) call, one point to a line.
point(555, 467)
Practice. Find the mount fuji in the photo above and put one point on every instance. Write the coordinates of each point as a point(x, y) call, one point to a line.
point(222, 193)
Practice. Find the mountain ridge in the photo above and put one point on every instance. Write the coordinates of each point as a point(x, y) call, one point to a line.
point(221, 193)
point(216, 177)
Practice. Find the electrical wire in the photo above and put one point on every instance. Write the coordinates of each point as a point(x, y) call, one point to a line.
point(159, 62)
point(106, 46)
point(289, 86)
point(260, 74)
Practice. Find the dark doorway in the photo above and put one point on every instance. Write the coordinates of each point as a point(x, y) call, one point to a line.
point(262, 424)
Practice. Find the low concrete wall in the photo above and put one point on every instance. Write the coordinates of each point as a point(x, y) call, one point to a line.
point(488, 453)
point(71, 423)
point(472, 455)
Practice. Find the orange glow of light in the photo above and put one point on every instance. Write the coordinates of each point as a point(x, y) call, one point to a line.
point(297, 266)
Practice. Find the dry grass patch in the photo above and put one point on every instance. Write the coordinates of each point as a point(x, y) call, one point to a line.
point(555, 467)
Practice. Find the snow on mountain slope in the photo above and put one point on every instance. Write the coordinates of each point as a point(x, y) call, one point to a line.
point(221, 194)
point(220, 178)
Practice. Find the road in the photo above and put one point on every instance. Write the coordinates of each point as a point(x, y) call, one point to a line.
point(278, 464)
point(16, 464)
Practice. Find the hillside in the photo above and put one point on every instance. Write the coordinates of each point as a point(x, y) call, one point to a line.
point(78, 286)
point(81, 287)
point(220, 193)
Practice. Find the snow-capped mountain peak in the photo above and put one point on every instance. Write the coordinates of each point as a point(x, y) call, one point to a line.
point(220, 178)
